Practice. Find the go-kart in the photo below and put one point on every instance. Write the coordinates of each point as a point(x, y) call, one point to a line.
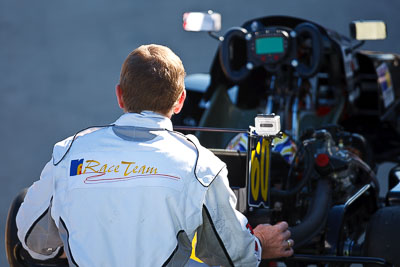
point(339, 111)
point(330, 117)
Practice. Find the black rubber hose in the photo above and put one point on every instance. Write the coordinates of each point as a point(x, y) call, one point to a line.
point(306, 177)
point(316, 216)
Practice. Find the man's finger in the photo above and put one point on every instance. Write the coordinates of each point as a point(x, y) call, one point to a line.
point(287, 253)
point(283, 226)
point(286, 245)
point(286, 235)
point(291, 241)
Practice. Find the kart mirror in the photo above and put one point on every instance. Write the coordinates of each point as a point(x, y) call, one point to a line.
point(368, 30)
point(202, 21)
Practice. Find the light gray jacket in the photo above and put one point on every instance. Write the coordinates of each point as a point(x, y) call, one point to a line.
point(134, 194)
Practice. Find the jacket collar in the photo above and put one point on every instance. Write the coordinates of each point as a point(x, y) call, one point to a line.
point(146, 119)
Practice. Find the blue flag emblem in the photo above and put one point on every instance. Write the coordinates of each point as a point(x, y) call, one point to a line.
point(76, 167)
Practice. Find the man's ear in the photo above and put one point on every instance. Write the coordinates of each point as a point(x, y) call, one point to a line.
point(178, 107)
point(120, 99)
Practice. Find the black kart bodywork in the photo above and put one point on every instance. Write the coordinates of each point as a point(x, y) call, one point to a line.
point(337, 102)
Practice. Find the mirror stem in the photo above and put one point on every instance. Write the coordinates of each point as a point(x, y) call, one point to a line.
point(215, 36)
point(350, 49)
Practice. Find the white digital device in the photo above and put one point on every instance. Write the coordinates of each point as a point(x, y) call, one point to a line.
point(267, 125)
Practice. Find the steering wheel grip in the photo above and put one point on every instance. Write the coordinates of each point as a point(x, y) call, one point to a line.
point(225, 55)
point(313, 32)
point(304, 70)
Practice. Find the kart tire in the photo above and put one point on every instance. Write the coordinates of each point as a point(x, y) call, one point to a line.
point(383, 235)
point(11, 239)
point(17, 256)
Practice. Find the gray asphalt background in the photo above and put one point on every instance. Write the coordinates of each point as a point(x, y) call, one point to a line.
point(60, 61)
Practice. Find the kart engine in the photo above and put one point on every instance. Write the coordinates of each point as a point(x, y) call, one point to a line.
point(328, 169)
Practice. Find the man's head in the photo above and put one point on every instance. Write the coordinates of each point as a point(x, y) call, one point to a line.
point(152, 78)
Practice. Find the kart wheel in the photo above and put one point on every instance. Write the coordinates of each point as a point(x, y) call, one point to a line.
point(383, 235)
point(12, 241)
point(17, 256)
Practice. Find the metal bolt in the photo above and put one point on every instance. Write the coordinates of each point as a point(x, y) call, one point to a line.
point(254, 26)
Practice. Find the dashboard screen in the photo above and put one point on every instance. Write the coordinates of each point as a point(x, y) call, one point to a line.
point(269, 45)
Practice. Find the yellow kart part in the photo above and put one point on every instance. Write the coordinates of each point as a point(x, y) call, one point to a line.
point(193, 256)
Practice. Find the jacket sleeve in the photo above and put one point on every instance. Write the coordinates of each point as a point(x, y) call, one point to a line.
point(36, 228)
point(225, 237)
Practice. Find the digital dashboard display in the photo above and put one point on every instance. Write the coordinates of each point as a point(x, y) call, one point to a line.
point(269, 45)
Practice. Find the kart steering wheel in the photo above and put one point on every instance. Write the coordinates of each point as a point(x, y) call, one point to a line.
point(311, 31)
point(226, 57)
point(238, 58)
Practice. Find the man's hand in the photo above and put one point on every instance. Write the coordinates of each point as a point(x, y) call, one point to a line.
point(274, 240)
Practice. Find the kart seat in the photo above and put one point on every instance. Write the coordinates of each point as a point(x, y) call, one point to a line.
point(222, 113)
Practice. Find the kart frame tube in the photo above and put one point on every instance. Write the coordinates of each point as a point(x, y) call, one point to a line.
point(337, 259)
